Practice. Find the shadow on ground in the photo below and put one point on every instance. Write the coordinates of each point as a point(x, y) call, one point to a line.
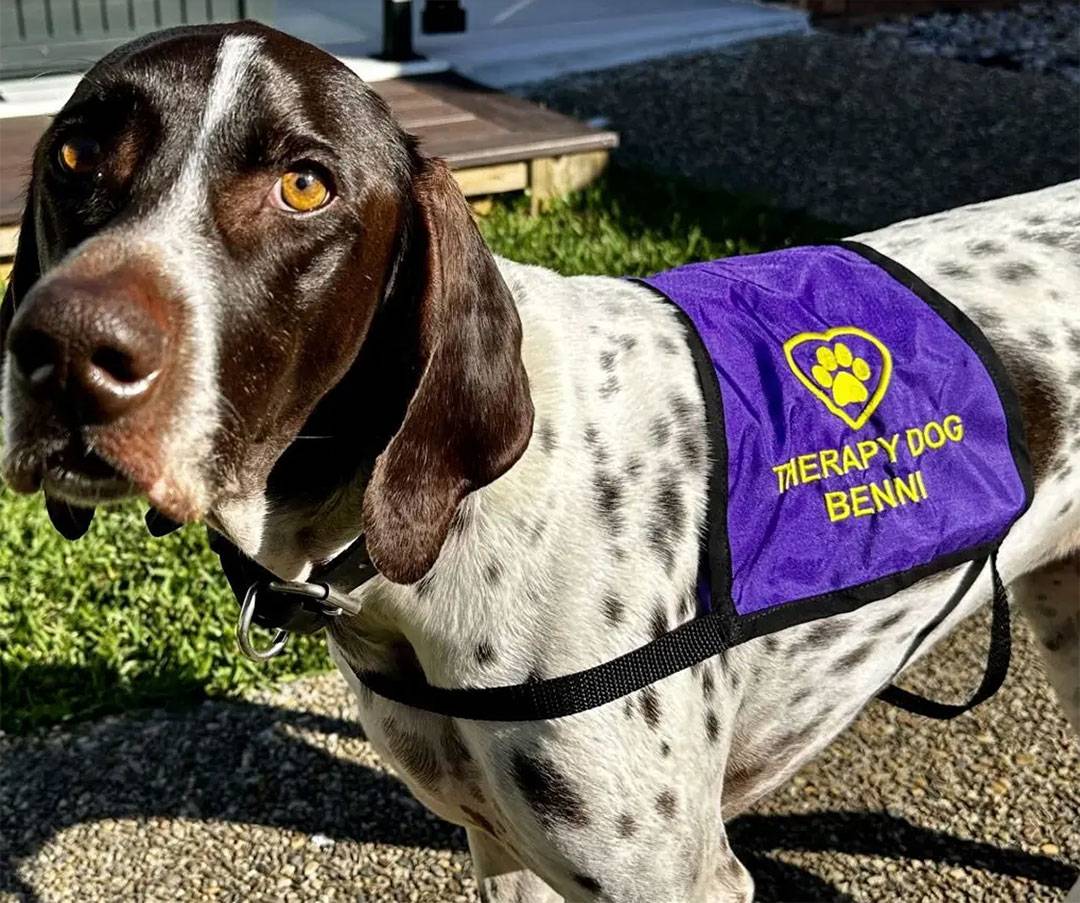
point(253, 764)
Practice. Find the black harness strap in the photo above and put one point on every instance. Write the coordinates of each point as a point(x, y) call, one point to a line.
point(997, 658)
point(569, 694)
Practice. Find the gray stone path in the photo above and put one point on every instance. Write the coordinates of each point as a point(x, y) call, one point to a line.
point(279, 798)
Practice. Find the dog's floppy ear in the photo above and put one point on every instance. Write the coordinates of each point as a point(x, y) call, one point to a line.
point(24, 272)
point(471, 416)
point(69, 521)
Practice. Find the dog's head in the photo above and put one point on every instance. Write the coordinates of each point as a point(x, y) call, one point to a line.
point(227, 242)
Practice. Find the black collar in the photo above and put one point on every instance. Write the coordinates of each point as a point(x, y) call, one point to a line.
point(284, 606)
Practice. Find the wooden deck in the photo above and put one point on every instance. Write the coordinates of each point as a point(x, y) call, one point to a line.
point(494, 142)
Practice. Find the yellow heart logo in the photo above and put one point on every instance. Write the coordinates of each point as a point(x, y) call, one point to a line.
point(838, 372)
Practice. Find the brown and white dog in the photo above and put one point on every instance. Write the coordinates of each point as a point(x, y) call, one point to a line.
point(229, 243)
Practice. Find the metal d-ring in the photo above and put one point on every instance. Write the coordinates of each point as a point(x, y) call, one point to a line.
point(243, 631)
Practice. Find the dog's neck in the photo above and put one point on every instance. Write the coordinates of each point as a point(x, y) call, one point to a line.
point(309, 507)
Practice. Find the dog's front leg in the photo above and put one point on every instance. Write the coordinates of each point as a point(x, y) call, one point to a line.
point(501, 878)
point(1050, 598)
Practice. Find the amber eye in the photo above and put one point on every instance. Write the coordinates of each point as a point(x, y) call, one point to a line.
point(80, 155)
point(304, 190)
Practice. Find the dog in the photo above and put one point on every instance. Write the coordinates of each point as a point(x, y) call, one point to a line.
point(230, 245)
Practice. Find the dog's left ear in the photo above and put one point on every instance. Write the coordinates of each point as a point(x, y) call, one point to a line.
point(24, 272)
point(471, 416)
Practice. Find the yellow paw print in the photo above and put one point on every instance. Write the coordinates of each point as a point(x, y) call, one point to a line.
point(838, 370)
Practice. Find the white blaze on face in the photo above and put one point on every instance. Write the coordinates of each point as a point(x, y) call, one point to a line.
point(175, 231)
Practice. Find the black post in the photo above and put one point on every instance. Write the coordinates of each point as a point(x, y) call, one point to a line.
point(397, 30)
point(442, 17)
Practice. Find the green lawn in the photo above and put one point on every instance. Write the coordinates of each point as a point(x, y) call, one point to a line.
point(119, 619)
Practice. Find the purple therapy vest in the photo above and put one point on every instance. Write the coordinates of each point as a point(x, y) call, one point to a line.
point(864, 433)
point(863, 436)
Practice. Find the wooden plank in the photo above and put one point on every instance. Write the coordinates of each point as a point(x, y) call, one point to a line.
point(480, 180)
point(470, 126)
point(9, 240)
point(553, 177)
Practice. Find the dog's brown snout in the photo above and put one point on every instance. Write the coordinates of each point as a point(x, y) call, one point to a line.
point(88, 347)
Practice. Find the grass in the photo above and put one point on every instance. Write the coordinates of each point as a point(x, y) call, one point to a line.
point(119, 620)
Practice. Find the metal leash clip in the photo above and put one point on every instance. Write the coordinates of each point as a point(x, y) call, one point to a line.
point(319, 593)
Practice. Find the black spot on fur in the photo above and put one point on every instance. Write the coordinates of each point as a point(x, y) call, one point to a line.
point(608, 495)
point(658, 623)
point(626, 825)
point(665, 749)
point(667, 345)
point(693, 453)
point(681, 408)
point(660, 543)
point(1064, 472)
point(854, 658)
point(607, 360)
point(1072, 339)
point(985, 248)
point(770, 644)
point(821, 634)
point(589, 884)
point(986, 318)
point(549, 794)
point(891, 621)
point(1065, 635)
point(592, 434)
point(485, 654)
point(953, 270)
point(413, 753)
point(1065, 508)
point(712, 726)
point(493, 573)
point(479, 820)
point(688, 604)
point(628, 707)
point(1067, 239)
point(546, 434)
point(660, 431)
point(609, 387)
point(634, 467)
point(800, 695)
point(669, 520)
point(649, 700)
point(708, 683)
point(613, 608)
point(1036, 220)
point(666, 804)
point(455, 753)
point(1041, 339)
point(534, 676)
point(627, 342)
point(423, 585)
point(1015, 271)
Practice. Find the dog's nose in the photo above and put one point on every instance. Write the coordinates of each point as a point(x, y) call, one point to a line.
point(91, 348)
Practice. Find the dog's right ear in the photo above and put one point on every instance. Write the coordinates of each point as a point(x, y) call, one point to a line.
point(471, 415)
point(69, 521)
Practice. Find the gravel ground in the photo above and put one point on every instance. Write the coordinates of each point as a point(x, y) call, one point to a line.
point(280, 798)
point(856, 135)
point(1033, 37)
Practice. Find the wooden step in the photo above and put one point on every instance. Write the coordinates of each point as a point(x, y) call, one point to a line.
point(494, 142)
